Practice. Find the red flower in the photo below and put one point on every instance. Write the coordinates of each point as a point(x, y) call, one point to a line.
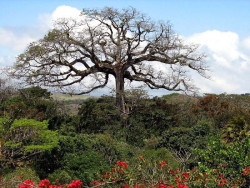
point(162, 164)
point(163, 186)
point(245, 172)
point(220, 185)
point(125, 166)
point(125, 186)
point(122, 164)
point(44, 183)
point(106, 176)
point(75, 184)
point(221, 175)
point(223, 181)
point(27, 184)
point(182, 186)
point(185, 175)
point(172, 172)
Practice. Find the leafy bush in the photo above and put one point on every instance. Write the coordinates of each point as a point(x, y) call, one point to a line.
point(85, 166)
point(19, 174)
point(24, 138)
point(93, 152)
point(60, 176)
point(231, 159)
point(236, 129)
point(179, 138)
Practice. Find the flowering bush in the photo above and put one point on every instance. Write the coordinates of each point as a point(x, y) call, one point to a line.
point(46, 184)
point(156, 174)
point(161, 175)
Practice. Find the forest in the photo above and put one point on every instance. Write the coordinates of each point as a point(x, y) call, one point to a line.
point(204, 141)
point(129, 139)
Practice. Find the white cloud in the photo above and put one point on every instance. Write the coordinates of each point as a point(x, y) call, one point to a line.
point(6, 60)
point(17, 39)
point(230, 63)
point(14, 41)
point(65, 12)
point(246, 43)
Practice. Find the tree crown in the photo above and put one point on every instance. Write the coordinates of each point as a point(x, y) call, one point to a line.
point(101, 44)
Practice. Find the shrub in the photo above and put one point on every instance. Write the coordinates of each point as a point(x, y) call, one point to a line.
point(19, 174)
point(231, 159)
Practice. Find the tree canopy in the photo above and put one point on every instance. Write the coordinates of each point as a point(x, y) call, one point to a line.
point(107, 44)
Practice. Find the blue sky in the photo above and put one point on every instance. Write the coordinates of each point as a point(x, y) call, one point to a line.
point(221, 27)
point(187, 16)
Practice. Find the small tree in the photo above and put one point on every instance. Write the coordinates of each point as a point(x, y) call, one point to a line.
point(6, 90)
point(102, 44)
point(21, 139)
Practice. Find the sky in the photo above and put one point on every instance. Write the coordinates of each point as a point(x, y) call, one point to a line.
point(220, 27)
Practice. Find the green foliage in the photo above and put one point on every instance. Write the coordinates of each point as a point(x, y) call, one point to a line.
point(169, 96)
point(25, 137)
point(85, 166)
point(108, 115)
point(30, 103)
point(237, 128)
point(60, 176)
point(86, 151)
point(88, 143)
point(161, 154)
point(186, 138)
point(34, 93)
point(231, 159)
point(19, 174)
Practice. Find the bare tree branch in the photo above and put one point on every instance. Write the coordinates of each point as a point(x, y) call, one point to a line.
point(113, 42)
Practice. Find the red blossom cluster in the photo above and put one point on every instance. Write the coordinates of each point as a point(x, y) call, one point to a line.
point(162, 164)
point(27, 184)
point(75, 184)
point(124, 165)
point(46, 184)
point(246, 170)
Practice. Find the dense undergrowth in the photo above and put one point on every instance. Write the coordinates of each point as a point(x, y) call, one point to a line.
point(180, 140)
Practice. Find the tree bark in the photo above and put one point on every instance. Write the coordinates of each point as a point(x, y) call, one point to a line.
point(120, 101)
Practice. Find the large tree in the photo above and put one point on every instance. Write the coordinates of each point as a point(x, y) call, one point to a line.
point(109, 43)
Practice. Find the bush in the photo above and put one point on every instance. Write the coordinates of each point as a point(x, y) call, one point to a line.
point(85, 166)
point(19, 174)
point(186, 138)
point(231, 159)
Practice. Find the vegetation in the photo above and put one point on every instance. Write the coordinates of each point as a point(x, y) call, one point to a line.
point(40, 140)
point(130, 140)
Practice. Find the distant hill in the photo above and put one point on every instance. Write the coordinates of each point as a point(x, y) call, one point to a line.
point(71, 103)
point(69, 99)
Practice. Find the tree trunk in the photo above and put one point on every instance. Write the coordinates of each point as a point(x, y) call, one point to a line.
point(120, 101)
